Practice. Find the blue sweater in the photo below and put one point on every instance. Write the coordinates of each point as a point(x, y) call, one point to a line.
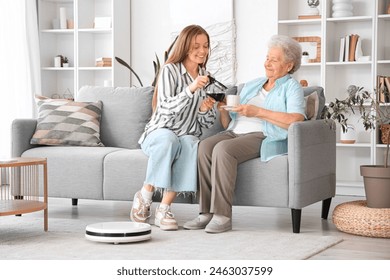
point(286, 96)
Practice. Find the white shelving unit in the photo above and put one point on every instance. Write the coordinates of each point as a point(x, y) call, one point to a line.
point(371, 21)
point(82, 44)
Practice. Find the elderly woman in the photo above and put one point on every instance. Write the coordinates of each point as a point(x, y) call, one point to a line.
point(255, 128)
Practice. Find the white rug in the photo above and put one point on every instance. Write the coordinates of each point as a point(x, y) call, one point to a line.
point(23, 238)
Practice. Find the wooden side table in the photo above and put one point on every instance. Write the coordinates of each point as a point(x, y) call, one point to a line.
point(19, 189)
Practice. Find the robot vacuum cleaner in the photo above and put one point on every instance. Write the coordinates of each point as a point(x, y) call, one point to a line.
point(118, 232)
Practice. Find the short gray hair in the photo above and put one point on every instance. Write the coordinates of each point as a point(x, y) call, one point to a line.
point(291, 48)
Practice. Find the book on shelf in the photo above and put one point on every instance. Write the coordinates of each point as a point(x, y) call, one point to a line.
point(346, 50)
point(350, 48)
point(358, 51)
point(103, 64)
point(383, 88)
point(309, 16)
point(342, 49)
point(106, 59)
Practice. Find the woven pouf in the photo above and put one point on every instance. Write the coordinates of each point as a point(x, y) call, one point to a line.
point(356, 218)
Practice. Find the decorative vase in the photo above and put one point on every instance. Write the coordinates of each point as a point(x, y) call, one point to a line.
point(349, 136)
point(342, 8)
point(313, 4)
point(376, 185)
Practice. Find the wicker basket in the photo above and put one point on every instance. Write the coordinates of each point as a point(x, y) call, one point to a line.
point(356, 218)
point(385, 129)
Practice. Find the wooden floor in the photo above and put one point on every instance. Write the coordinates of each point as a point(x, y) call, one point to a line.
point(352, 247)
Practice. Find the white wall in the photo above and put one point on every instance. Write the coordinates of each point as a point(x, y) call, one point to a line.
point(256, 22)
point(151, 29)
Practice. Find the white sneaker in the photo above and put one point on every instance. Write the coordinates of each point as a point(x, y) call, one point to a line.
point(165, 219)
point(140, 212)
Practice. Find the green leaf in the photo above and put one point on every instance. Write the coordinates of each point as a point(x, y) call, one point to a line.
point(124, 63)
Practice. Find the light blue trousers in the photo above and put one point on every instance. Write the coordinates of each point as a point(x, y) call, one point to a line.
point(172, 163)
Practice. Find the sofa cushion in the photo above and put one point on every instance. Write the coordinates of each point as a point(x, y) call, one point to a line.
point(311, 109)
point(124, 175)
point(74, 172)
point(125, 113)
point(64, 122)
point(321, 98)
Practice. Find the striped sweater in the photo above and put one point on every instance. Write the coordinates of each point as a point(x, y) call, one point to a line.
point(177, 108)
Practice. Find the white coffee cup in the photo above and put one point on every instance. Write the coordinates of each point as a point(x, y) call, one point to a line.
point(232, 100)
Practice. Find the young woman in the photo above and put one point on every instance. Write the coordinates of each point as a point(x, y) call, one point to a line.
point(180, 110)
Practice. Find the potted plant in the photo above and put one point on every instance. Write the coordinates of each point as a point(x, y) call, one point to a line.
point(156, 64)
point(372, 115)
point(65, 62)
point(305, 57)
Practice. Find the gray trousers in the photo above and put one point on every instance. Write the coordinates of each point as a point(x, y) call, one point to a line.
point(218, 159)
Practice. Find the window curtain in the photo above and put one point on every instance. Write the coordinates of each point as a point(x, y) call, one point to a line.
point(19, 65)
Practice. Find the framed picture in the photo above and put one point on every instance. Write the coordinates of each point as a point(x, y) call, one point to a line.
point(312, 45)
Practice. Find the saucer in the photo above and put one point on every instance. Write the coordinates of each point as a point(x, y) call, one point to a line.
point(228, 108)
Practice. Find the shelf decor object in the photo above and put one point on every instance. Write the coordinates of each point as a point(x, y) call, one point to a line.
point(342, 8)
point(312, 12)
point(311, 45)
point(63, 18)
point(348, 136)
point(313, 4)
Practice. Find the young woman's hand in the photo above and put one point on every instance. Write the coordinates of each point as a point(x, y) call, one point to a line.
point(206, 104)
point(198, 83)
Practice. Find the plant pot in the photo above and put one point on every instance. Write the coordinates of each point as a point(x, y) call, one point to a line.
point(348, 137)
point(376, 185)
point(305, 59)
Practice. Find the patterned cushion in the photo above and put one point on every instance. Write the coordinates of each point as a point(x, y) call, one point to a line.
point(64, 122)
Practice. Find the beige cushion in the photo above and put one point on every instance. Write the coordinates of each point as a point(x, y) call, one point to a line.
point(311, 105)
point(64, 122)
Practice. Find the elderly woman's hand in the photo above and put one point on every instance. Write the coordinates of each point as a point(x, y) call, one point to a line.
point(247, 110)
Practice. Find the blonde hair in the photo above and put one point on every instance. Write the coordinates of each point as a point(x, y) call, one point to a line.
point(181, 49)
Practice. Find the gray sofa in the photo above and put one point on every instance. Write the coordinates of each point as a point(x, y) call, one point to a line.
point(116, 171)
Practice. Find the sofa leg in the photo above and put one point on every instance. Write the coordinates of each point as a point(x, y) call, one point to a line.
point(296, 219)
point(325, 208)
point(74, 201)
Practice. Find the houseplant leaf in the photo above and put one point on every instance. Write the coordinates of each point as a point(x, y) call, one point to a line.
point(124, 63)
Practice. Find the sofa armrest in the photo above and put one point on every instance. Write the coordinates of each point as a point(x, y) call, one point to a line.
point(21, 132)
point(312, 162)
